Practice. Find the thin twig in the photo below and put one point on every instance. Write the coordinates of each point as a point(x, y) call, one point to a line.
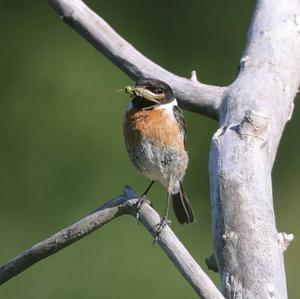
point(120, 205)
point(191, 94)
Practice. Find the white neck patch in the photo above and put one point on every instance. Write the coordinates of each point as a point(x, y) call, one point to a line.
point(169, 106)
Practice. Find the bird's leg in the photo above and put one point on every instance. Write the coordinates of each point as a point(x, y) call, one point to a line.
point(164, 221)
point(143, 199)
point(148, 188)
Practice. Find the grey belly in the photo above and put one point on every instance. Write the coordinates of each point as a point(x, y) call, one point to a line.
point(159, 163)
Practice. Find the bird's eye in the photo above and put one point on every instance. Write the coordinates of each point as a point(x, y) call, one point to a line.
point(159, 90)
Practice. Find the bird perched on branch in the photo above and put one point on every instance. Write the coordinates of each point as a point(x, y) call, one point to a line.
point(154, 132)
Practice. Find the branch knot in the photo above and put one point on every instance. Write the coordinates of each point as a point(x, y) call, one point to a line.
point(212, 263)
point(285, 240)
point(254, 124)
point(243, 62)
point(194, 76)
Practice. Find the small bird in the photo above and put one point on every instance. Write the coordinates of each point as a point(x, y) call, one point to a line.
point(155, 137)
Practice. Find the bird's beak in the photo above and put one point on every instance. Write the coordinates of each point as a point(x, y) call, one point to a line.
point(143, 93)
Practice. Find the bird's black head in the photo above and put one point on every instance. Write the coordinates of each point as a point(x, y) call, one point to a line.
point(148, 93)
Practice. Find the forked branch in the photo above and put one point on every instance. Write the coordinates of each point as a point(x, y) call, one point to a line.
point(120, 205)
point(191, 94)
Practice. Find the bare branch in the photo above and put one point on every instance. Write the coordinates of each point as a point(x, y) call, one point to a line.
point(120, 205)
point(191, 94)
point(108, 211)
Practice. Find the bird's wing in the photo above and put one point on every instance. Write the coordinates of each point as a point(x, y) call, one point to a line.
point(181, 122)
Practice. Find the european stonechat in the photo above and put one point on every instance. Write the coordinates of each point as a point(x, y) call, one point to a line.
point(155, 138)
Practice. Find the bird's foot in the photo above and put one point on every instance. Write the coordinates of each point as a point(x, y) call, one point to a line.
point(160, 226)
point(143, 199)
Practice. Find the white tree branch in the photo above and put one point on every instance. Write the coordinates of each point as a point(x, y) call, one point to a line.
point(255, 109)
point(121, 205)
point(191, 94)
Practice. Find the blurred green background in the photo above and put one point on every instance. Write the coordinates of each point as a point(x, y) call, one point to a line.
point(62, 152)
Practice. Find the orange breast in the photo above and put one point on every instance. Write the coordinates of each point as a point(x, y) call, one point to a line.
point(156, 124)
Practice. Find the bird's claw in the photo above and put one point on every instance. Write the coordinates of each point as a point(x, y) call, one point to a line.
point(143, 199)
point(160, 226)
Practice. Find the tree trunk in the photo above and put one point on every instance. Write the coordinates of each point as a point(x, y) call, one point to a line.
point(255, 109)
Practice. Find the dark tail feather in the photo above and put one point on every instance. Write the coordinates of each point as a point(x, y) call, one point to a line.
point(182, 207)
